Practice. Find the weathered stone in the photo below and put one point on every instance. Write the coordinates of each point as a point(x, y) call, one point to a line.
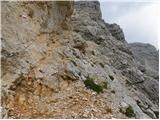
point(49, 49)
point(147, 56)
point(116, 31)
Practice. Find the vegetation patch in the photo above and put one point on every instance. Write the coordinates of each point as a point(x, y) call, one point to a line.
point(129, 112)
point(89, 83)
point(105, 85)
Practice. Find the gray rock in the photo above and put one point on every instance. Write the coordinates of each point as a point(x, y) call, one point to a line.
point(43, 46)
point(148, 58)
point(116, 31)
point(117, 50)
point(4, 113)
point(150, 113)
point(72, 72)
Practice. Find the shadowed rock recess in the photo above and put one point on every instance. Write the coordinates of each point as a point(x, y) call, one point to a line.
point(61, 60)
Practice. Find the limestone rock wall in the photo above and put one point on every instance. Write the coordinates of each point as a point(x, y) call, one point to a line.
point(116, 31)
point(24, 25)
point(112, 44)
point(50, 48)
point(147, 57)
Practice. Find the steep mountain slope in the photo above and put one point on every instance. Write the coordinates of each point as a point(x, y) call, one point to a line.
point(112, 42)
point(61, 60)
point(147, 58)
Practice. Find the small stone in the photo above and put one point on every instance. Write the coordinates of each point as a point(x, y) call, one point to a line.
point(85, 99)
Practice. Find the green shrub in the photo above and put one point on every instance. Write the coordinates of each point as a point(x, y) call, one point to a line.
point(105, 85)
point(89, 83)
point(129, 112)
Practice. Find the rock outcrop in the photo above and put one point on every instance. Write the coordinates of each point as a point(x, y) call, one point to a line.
point(61, 60)
point(147, 57)
point(147, 60)
point(116, 31)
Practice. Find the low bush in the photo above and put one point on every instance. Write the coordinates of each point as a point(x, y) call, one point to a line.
point(105, 85)
point(129, 112)
point(89, 83)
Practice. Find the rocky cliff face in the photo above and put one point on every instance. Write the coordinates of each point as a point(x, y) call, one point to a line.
point(61, 60)
point(147, 57)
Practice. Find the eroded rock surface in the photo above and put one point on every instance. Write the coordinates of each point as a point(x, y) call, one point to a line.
point(147, 57)
point(50, 48)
